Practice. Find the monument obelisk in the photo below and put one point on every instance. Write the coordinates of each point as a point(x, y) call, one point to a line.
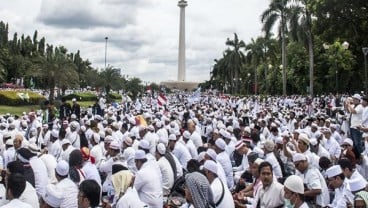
point(181, 63)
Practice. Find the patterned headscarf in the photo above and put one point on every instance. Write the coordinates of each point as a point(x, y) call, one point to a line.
point(200, 189)
point(362, 195)
point(121, 181)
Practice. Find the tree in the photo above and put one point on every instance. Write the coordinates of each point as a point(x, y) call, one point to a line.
point(278, 12)
point(111, 79)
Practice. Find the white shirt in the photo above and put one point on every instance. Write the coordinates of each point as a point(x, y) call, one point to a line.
point(130, 200)
point(197, 139)
point(56, 150)
point(271, 196)
point(9, 155)
point(149, 191)
point(65, 153)
point(192, 149)
point(16, 203)
point(91, 172)
point(50, 163)
point(167, 175)
point(40, 173)
point(97, 153)
point(314, 180)
point(70, 193)
point(333, 147)
point(182, 153)
point(74, 139)
point(270, 157)
point(224, 159)
point(217, 190)
point(356, 118)
point(29, 196)
point(341, 197)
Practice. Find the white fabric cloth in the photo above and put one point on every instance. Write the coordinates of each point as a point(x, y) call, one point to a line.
point(271, 196)
point(29, 196)
point(16, 203)
point(70, 193)
point(149, 191)
point(50, 163)
point(182, 153)
point(91, 172)
point(40, 173)
point(130, 199)
point(217, 189)
point(314, 180)
point(224, 159)
point(271, 158)
point(197, 139)
point(167, 175)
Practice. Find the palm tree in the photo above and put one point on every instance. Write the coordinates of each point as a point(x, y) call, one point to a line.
point(235, 59)
point(111, 79)
point(301, 29)
point(278, 13)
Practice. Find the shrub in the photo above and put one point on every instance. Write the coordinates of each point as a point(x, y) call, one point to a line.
point(85, 96)
point(20, 97)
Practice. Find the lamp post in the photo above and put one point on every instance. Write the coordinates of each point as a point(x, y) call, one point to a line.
point(248, 83)
point(105, 50)
point(365, 52)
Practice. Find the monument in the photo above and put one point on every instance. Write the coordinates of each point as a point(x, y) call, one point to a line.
point(181, 82)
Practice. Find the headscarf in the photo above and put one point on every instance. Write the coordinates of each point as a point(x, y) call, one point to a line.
point(362, 195)
point(121, 181)
point(200, 189)
point(86, 155)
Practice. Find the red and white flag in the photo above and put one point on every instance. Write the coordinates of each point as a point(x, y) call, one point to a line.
point(161, 99)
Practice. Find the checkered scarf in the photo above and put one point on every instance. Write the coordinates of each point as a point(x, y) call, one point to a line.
point(200, 189)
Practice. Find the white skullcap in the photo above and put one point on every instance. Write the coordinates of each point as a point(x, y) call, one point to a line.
point(140, 154)
point(132, 121)
point(279, 140)
point(285, 134)
point(314, 125)
point(144, 144)
point(304, 137)
point(210, 166)
point(269, 145)
point(114, 145)
point(247, 129)
point(74, 99)
point(65, 141)
point(73, 116)
point(230, 129)
point(258, 161)
point(313, 141)
point(62, 168)
point(128, 141)
point(348, 141)
point(357, 184)
point(333, 171)
point(172, 137)
point(357, 96)
point(53, 196)
point(102, 134)
point(212, 154)
point(163, 140)
point(108, 139)
point(220, 143)
point(201, 156)
point(295, 184)
point(299, 157)
point(55, 133)
point(83, 128)
point(186, 134)
point(161, 148)
point(158, 124)
point(151, 128)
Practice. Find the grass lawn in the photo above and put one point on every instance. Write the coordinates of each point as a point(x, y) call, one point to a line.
point(18, 110)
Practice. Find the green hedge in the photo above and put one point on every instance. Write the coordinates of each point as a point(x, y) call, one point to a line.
point(85, 96)
point(115, 96)
point(20, 97)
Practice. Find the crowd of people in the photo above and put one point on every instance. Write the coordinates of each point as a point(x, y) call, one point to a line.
point(204, 152)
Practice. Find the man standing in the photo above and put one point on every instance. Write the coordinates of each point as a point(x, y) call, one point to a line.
point(65, 110)
point(67, 186)
point(355, 109)
point(76, 108)
point(16, 183)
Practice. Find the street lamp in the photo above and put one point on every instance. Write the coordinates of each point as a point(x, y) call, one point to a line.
point(248, 83)
point(105, 50)
point(365, 52)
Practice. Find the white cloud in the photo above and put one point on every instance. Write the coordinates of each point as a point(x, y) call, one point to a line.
point(142, 34)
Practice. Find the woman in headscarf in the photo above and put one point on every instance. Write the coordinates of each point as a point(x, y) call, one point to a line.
point(126, 194)
point(361, 199)
point(198, 191)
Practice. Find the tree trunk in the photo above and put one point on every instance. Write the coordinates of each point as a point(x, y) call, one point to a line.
point(311, 64)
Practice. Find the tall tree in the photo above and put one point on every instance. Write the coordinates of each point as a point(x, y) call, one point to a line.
point(277, 13)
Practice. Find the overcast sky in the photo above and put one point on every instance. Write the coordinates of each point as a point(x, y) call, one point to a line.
point(143, 35)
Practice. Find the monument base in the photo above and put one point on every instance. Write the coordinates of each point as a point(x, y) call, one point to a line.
point(180, 85)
